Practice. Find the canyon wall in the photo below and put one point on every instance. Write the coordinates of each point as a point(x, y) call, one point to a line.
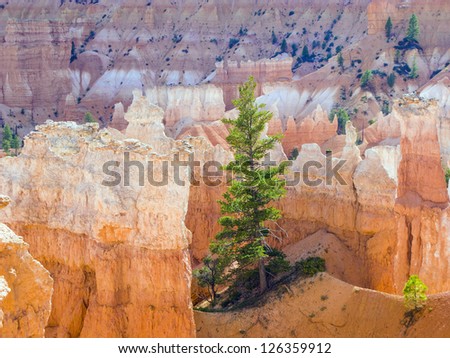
point(118, 252)
point(433, 17)
point(391, 209)
point(25, 287)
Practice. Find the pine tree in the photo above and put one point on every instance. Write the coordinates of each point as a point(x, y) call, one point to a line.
point(305, 53)
point(89, 118)
point(413, 29)
point(388, 28)
point(391, 80)
point(284, 46)
point(15, 143)
point(340, 61)
point(274, 38)
point(7, 138)
point(246, 204)
point(366, 78)
point(414, 70)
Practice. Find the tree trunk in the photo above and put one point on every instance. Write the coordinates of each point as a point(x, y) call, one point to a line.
point(262, 276)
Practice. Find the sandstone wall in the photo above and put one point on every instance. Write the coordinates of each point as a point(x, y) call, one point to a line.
point(118, 254)
point(25, 287)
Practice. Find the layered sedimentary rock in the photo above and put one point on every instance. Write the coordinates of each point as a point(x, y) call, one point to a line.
point(433, 15)
point(231, 74)
point(25, 287)
point(116, 246)
point(315, 128)
point(34, 71)
point(391, 208)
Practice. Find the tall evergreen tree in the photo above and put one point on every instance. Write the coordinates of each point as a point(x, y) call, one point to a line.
point(388, 28)
point(274, 38)
point(305, 53)
point(89, 118)
point(246, 204)
point(414, 70)
point(7, 138)
point(413, 29)
point(16, 143)
point(284, 47)
point(340, 61)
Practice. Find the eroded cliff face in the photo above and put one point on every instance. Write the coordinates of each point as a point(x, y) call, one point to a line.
point(434, 16)
point(25, 287)
point(392, 210)
point(118, 252)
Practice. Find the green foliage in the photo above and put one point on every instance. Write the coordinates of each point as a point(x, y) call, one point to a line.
point(366, 78)
point(89, 118)
point(274, 38)
point(246, 203)
point(210, 275)
point(414, 293)
point(305, 53)
point(391, 80)
point(414, 70)
point(16, 143)
point(385, 109)
point(7, 138)
point(397, 56)
point(310, 266)
point(294, 50)
point(447, 175)
point(284, 47)
point(340, 61)
point(388, 28)
point(342, 117)
point(413, 29)
point(294, 154)
point(233, 41)
point(73, 53)
point(278, 263)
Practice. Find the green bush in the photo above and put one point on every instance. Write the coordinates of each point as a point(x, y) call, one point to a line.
point(310, 266)
point(414, 293)
point(447, 175)
point(277, 263)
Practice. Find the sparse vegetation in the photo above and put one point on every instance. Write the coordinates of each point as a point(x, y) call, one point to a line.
point(284, 47)
point(274, 38)
point(366, 78)
point(340, 61)
point(7, 138)
point(233, 41)
point(414, 70)
point(294, 154)
point(391, 80)
point(342, 116)
point(89, 118)
point(414, 298)
point(310, 266)
point(388, 28)
point(413, 31)
point(447, 175)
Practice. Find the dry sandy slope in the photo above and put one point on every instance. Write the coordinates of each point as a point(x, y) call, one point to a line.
point(324, 306)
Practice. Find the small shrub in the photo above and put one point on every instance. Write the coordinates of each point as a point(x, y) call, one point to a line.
point(414, 293)
point(447, 175)
point(233, 41)
point(310, 266)
point(294, 154)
